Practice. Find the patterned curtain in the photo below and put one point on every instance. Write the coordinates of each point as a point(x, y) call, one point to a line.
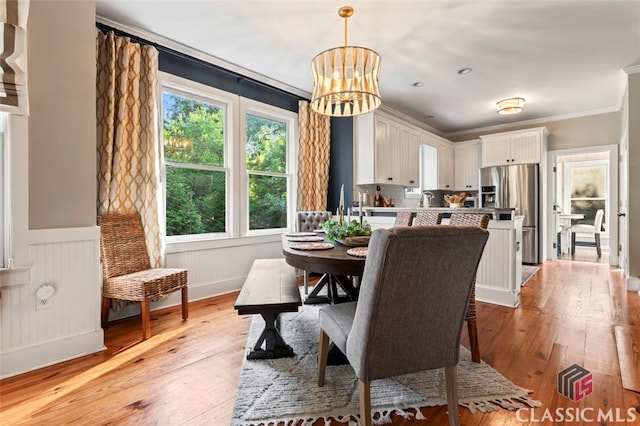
point(127, 133)
point(313, 158)
point(13, 62)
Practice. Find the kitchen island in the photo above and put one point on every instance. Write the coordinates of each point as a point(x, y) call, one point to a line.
point(500, 270)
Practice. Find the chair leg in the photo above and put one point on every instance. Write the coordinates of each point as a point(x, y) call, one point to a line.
point(451, 380)
point(323, 354)
point(573, 243)
point(473, 340)
point(185, 303)
point(146, 319)
point(365, 402)
point(104, 314)
point(598, 245)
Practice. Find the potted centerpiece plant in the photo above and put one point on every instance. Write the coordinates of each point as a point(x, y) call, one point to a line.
point(347, 233)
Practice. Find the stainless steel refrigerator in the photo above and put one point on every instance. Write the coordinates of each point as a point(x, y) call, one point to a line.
point(515, 187)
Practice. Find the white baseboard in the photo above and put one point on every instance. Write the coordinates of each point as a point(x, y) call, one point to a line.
point(633, 284)
point(497, 296)
point(196, 292)
point(29, 358)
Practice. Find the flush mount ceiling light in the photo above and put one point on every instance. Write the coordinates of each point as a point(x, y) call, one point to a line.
point(510, 106)
point(345, 78)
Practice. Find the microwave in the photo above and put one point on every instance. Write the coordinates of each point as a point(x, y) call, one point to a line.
point(470, 202)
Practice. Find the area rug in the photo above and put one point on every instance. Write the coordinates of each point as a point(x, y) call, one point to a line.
point(528, 271)
point(286, 390)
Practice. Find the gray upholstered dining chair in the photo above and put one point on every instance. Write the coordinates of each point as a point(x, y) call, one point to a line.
point(310, 220)
point(409, 315)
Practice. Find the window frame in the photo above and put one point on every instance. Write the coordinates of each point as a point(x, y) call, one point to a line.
point(237, 183)
point(259, 109)
point(187, 88)
point(568, 166)
point(4, 193)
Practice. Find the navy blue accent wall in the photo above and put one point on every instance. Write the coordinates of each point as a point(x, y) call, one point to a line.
point(341, 157)
point(182, 65)
point(341, 163)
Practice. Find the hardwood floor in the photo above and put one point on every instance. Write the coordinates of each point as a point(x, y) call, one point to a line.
point(187, 373)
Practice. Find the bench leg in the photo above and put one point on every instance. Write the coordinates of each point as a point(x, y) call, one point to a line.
point(275, 346)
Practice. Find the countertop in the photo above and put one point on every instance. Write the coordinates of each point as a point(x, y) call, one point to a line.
point(435, 209)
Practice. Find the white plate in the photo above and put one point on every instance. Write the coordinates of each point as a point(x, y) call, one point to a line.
point(300, 234)
point(312, 246)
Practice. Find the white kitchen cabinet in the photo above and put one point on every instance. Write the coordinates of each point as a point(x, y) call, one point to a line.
point(445, 166)
point(517, 147)
point(386, 151)
point(467, 165)
point(409, 157)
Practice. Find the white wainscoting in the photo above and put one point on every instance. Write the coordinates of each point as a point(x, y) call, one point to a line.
point(68, 259)
point(31, 338)
point(213, 269)
point(500, 268)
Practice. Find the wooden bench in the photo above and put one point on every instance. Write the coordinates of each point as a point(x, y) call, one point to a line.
point(270, 289)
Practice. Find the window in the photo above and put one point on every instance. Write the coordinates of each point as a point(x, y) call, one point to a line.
point(268, 137)
point(196, 172)
point(587, 183)
point(227, 171)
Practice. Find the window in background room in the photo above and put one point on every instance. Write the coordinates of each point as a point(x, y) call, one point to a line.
point(587, 188)
point(195, 163)
point(268, 136)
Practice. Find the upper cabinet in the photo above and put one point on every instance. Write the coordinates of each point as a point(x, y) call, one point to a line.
point(386, 151)
point(467, 165)
point(518, 147)
point(445, 166)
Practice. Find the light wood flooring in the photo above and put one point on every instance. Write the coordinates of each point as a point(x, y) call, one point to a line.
point(187, 373)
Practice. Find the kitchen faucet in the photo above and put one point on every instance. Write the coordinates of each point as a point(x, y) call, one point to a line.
point(429, 196)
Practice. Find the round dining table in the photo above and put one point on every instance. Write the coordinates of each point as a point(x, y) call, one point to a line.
point(338, 268)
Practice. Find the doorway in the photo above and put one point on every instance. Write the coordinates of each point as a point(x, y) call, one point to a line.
point(583, 181)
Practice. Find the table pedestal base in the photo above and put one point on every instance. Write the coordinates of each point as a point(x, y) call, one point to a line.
point(332, 282)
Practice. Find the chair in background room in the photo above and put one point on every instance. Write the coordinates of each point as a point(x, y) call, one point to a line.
point(127, 272)
point(401, 323)
point(310, 221)
point(482, 221)
point(403, 219)
point(594, 230)
point(427, 219)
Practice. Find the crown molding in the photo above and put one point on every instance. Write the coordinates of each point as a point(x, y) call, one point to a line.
point(198, 54)
point(535, 121)
point(410, 120)
point(633, 69)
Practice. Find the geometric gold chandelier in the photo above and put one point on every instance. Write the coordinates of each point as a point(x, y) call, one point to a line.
point(345, 78)
point(510, 106)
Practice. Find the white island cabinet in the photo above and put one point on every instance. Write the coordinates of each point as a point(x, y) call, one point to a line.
point(500, 270)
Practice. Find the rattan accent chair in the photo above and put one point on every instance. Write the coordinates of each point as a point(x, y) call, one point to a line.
point(481, 220)
point(127, 272)
point(427, 219)
point(403, 219)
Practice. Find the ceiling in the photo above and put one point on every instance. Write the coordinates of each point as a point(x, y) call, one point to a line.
point(565, 57)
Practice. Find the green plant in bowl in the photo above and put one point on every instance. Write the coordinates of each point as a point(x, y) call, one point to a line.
point(340, 232)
